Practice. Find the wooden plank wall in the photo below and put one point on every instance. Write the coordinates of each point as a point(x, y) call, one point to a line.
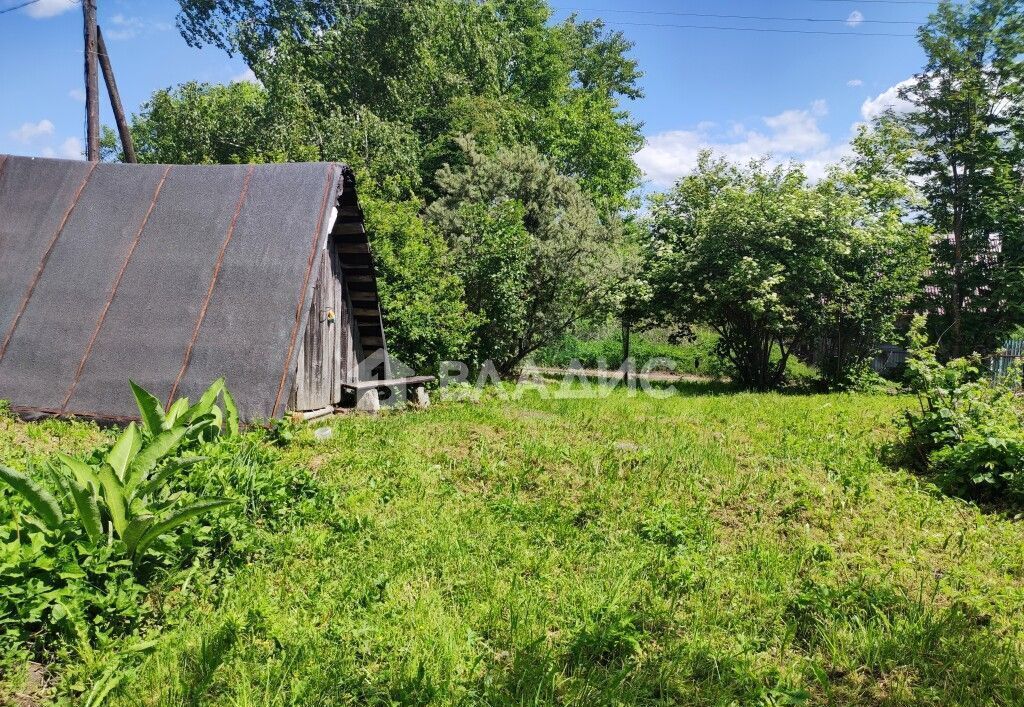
point(326, 351)
point(347, 283)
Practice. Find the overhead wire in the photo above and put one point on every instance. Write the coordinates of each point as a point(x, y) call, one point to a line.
point(12, 8)
point(23, 5)
point(718, 28)
point(772, 18)
point(776, 30)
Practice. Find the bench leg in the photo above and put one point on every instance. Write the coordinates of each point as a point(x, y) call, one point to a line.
point(420, 398)
point(368, 401)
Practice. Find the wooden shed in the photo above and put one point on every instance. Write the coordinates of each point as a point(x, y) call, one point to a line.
point(174, 275)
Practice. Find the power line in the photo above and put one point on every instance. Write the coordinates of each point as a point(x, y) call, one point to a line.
point(18, 7)
point(12, 8)
point(775, 30)
point(930, 3)
point(734, 17)
point(720, 28)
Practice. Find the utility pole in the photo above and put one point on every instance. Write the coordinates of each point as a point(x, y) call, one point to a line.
point(115, 99)
point(92, 85)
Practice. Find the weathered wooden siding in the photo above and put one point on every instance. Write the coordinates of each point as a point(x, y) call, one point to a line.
point(323, 355)
point(347, 284)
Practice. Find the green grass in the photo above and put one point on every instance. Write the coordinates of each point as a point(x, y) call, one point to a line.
point(696, 356)
point(704, 549)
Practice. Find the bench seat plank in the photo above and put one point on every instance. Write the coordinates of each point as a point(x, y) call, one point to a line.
point(388, 383)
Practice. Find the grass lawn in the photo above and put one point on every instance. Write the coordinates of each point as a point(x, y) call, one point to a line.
point(703, 549)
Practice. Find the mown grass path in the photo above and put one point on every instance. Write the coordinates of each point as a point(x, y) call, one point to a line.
point(704, 549)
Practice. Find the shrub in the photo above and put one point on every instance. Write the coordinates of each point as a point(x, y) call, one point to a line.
point(536, 254)
point(81, 538)
point(422, 296)
point(771, 261)
point(968, 429)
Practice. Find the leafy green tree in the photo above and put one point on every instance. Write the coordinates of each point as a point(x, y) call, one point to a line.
point(492, 249)
point(533, 250)
point(198, 123)
point(422, 295)
point(885, 257)
point(433, 70)
point(968, 122)
point(773, 263)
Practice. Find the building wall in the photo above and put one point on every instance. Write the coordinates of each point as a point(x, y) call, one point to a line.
point(328, 355)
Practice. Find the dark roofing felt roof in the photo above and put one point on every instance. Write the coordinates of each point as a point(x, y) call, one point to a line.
point(167, 275)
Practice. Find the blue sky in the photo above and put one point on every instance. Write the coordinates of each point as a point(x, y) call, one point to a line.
point(743, 93)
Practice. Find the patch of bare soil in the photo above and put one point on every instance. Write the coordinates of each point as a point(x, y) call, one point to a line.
point(34, 692)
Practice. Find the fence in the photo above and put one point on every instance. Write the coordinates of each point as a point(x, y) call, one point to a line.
point(1011, 353)
point(889, 358)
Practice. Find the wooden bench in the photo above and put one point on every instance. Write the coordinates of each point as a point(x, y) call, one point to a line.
point(368, 395)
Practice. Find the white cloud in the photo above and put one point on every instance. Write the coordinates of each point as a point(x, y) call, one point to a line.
point(50, 8)
point(247, 76)
point(887, 99)
point(71, 149)
point(77, 94)
point(790, 135)
point(855, 19)
point(124, 27)
point(30, 131)
point(854, 83)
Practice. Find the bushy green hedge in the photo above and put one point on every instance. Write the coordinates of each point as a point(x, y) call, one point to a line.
point(968, 428)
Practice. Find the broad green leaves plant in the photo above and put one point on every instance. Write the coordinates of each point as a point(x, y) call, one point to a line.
point(189, 421)
point(968, 429)
point(41, 500)
point(113, 497)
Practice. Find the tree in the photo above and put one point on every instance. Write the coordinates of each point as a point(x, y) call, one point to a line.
point(422, 296)
point(772, 263)
point(530, 245)
point(199, 123)
point(885, 257)
point(492, 250)
point(434, 70)
point(969, 129)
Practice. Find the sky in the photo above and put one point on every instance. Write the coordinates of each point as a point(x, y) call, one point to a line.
point(782, 90)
